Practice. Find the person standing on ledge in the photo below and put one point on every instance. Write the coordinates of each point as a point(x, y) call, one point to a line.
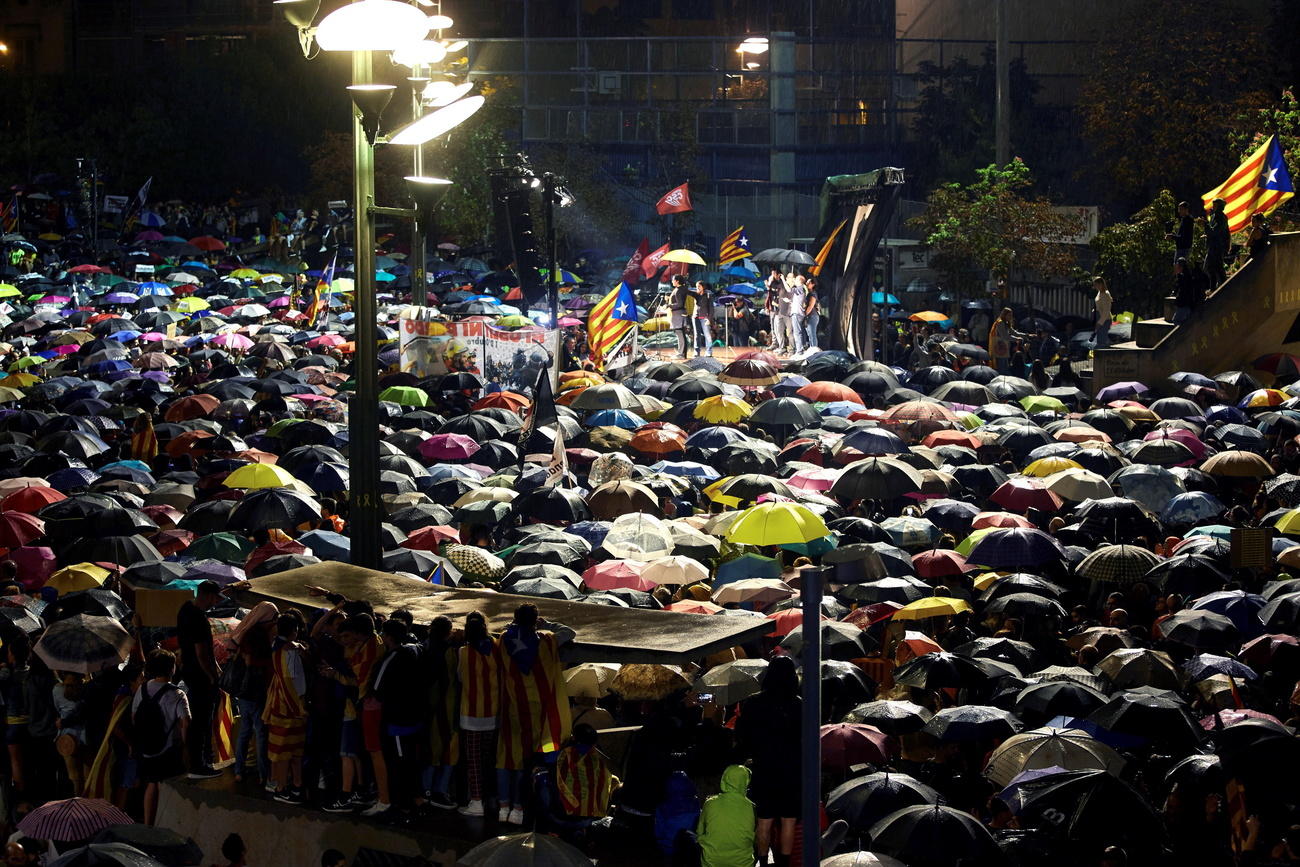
point(1217, 242)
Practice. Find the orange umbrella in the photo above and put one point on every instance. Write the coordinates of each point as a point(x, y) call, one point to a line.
point(692, 606)
point(257, 456)
point(917, 644)
point(787, 621)
point(429, 538)
point(568, 397)
point(192, 407)
point(31, 499)
point(828, 392)
point(516, 403)
point(658, 441)
point(952, 438)
point(185, 443)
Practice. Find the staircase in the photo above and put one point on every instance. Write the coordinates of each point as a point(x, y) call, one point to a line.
point(1255, 312)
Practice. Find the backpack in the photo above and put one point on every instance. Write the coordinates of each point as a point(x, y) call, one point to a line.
point(151, 729)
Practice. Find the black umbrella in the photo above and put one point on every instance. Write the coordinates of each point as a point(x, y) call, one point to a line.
point(841, 641)
point(744, 457)
point(864, 801)
point(552, 505)
point(1148, 716)
point(560, 549)
point(112, 549)
point(282, 563)
point(167, 846)
point(891, 717)
point(97, 600)
point(1042, 701)
point(1094, 808)
point(1021, 654)
point(940, 671)
point(877, 479)
point(1202, 630)
point(783, 256)
point(273, 508)
point(212, 516)
point(935, 836)
point(971, 722)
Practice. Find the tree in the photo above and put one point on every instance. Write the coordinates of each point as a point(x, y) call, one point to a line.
point(1280, 118)
point(1164, 90)
point(1137, 260)
point(994, 226)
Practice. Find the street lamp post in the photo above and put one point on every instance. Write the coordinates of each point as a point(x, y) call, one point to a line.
point(362, 28)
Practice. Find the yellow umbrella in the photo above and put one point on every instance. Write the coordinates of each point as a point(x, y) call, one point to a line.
point(9, 291)
point(10, 395)
point(192, 304)
point(713, 492)
point(722, 409)
point(777, 524)
point(690, 257)
point(1046, 466)
point(985, 580)
point(659, 323)
point(20, 380)
point(1288, 523)
point(244, 273)
point(963, 548)
point(79, 576)
point(256, 476)
point(931, 606)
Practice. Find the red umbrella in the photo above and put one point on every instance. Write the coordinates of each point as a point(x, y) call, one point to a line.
point(952, 438)
point(1225, 718)
point(617, 574)
point(1022, 494)
point(71, 820)
point(848, 744)
point(999, 519)
point(940, 563)
point(658, 441)
point(1260, 652)
point(787, 621)
point(429, 538)
point(31, 499)
point(869, 615)
point(208, 244)
point(261, 554)
point(19, 528)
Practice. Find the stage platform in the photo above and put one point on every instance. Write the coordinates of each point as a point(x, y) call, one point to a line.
point(285, 835)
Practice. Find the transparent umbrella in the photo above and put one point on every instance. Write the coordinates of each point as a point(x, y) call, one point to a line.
point(639, 537)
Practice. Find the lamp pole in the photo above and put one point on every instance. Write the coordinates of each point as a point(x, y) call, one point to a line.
point(810, 596)
point(553, 272)
point(419, 256)
point(363, 412)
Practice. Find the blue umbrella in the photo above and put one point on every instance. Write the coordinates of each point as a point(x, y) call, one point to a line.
point(951, 515)
point(714, 437)
point(737, 271)
point(1204, 665)
point(1240, 607)
point(875, 441)
point(69, 478)
point(328, 545)
point(452, 471)
point(1222, 412)
point(1191, 508)
point(593, 531)
point(746, 566)
point(884, 298)
point(789, 384)
point(1186, 377)
point(911, 532)
point(687, 469)
point(841, 408)
point(124, 336)
point(152, 220)
point(744, 289)
point(1106, 736)
point(614, 418)
point(153, 287)
point(326, 476)
point(1151, 486)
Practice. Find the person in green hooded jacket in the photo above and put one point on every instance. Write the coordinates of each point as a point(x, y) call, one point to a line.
point(726, 827)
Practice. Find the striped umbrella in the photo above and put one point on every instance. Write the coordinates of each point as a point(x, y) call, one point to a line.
point(72, 819)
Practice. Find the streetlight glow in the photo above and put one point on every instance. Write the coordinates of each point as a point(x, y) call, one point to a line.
point(423, 53)
point(444, 96)
point(372, 25)
point(437, 123)
point(439, 22)
point(753, 45)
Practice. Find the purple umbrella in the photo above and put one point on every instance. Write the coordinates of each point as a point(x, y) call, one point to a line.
point(213, 570)
point(120, 298)
point(1121, 390)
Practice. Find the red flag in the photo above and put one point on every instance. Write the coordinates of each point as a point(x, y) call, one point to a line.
point(632, 270)
point(675, 201)
point(650, 264)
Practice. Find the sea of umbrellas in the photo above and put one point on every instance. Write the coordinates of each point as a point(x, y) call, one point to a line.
point(932, 497)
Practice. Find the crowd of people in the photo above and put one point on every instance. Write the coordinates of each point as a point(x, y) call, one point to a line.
point(1048, 638)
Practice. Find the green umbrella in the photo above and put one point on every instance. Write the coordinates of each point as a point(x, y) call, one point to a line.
point(405, 395)
point(226, 547)
point(1042, 403)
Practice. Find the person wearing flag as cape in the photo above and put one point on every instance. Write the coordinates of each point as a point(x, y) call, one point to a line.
point(534, 712)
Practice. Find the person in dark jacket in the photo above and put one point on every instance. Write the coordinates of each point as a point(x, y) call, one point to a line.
point(1189, 291)
point(1182, 233)
point(398, 684)
point(773, 717)
point(1217, 241)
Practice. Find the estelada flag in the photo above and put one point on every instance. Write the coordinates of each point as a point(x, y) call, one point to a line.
point(675, 201)
point(632, 270)
point(650, 264)
point(1257, 186)
point(734, 247)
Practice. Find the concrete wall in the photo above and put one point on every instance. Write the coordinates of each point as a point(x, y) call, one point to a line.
point(1250, 315)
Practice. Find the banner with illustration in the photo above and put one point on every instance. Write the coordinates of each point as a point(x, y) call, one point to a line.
point(510, 358)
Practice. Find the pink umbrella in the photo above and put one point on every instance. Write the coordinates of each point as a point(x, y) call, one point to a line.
point(153, 336)
point(617, 574)
point(66, 349)
point(149, 235)
point(310, 398)
point(35, 565)
point(814, 480)
point(282, 301)
point(448, 447)
point(326, 340)
point(233, 341)
point(1235, 715)
point(569, 322)
point(54, 299)
point(1183, 436)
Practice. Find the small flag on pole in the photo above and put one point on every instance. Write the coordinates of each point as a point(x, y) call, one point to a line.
point(632, 270)
point(675, 201)
point(559, 461)
point(734, 247)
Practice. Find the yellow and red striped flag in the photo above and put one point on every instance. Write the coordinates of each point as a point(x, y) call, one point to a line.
point(1258, 186)
point(223, 730)
point(99, 780)
point(734, 247)
point(611, 318)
